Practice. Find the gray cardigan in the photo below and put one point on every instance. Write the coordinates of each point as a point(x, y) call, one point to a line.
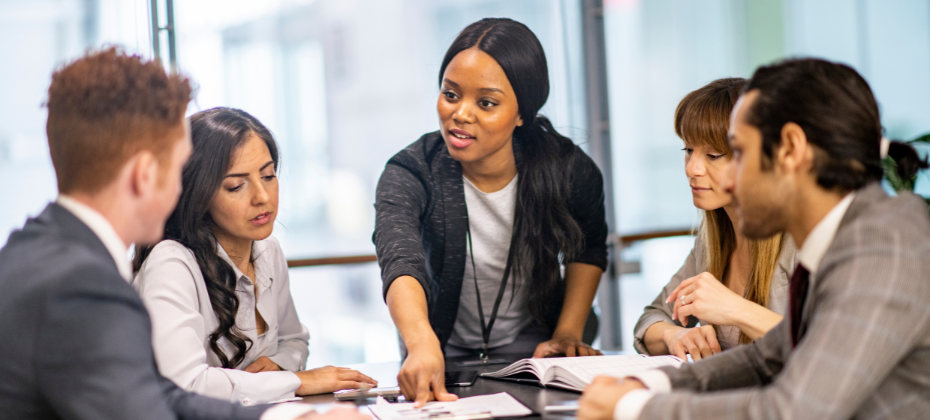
point(421, 224)
point(696, 263)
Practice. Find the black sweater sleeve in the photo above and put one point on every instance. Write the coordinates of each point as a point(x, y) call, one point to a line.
point(400, 203)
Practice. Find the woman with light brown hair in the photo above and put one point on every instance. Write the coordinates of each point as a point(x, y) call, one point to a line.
point(731, 290)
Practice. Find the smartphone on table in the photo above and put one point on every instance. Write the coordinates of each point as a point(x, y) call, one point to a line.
point(461, 378)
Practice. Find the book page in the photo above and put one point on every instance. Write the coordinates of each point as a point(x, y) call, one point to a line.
point(535, 366)
point(576, 372)
point(586, 368)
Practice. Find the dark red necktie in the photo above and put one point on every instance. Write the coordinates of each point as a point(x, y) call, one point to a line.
point(800, 281)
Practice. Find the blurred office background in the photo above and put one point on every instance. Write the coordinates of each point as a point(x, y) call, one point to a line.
point(345, 84)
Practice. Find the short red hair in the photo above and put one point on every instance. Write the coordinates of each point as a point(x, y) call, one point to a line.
point(104, 108)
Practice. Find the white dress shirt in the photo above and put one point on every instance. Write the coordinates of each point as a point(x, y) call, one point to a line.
point(809, 255)
point(173, 290)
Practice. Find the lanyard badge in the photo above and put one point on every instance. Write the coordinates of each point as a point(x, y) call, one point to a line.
point(484, 354)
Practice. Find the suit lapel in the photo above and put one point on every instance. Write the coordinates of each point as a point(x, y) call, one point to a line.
point(865, 197)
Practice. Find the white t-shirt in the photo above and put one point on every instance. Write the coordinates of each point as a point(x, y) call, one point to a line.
point(490, 218)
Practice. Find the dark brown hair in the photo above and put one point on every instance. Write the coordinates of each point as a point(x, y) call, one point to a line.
point(105, 107)
point(834, 106)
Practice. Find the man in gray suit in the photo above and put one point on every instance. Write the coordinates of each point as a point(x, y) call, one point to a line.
point(806, 138)
point(76, 338)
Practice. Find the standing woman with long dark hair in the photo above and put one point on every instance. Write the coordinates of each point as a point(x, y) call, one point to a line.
point(475, 221)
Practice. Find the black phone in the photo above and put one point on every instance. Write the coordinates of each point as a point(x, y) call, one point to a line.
point(461, 378)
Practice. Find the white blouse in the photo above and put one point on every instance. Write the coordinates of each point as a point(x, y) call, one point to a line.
point(173, 290)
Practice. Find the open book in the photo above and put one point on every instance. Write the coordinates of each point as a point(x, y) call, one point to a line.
point(575, 373)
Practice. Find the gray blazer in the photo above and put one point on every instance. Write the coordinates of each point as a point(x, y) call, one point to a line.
point(866, 350)
point(76, 339)
point(696, 263)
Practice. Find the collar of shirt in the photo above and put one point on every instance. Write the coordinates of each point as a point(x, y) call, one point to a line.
point(103, 229)
point(258, 249)
point(822, 235)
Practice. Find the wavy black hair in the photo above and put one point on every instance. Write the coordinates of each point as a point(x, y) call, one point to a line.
point(545, 233)
point(216, 134)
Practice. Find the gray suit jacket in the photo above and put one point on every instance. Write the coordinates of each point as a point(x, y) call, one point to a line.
point(866, 350)
point(696, 263)
point(75, 339)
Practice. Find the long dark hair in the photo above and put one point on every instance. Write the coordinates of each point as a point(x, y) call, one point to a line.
point(216, 134)
point(835, 107)
point(544, 230)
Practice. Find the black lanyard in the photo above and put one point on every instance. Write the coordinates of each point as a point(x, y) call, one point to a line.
point(486, 328)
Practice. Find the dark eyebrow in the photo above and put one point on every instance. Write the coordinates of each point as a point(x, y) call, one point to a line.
point(456, 85)
point(270, 162)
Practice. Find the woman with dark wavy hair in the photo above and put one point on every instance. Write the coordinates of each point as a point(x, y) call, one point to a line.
point(216, 286)
point(476, 221)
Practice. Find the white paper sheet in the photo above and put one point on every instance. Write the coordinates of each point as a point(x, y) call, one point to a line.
point(498, 405)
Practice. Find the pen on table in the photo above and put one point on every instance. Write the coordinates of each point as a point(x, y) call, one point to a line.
point(361, 397)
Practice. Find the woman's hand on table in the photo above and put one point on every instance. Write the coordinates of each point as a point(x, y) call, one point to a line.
point(699, 342)
point(422, 377)
point(708, 299)
point(567, 344)
point(330, 378)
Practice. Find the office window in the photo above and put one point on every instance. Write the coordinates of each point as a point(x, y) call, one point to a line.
point(344, 85)
point(36, 36)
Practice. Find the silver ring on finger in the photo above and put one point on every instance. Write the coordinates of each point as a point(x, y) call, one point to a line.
point(683, 300)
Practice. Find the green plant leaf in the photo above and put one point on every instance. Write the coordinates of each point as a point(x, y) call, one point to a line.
point(890, 169)
point(922, 139)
